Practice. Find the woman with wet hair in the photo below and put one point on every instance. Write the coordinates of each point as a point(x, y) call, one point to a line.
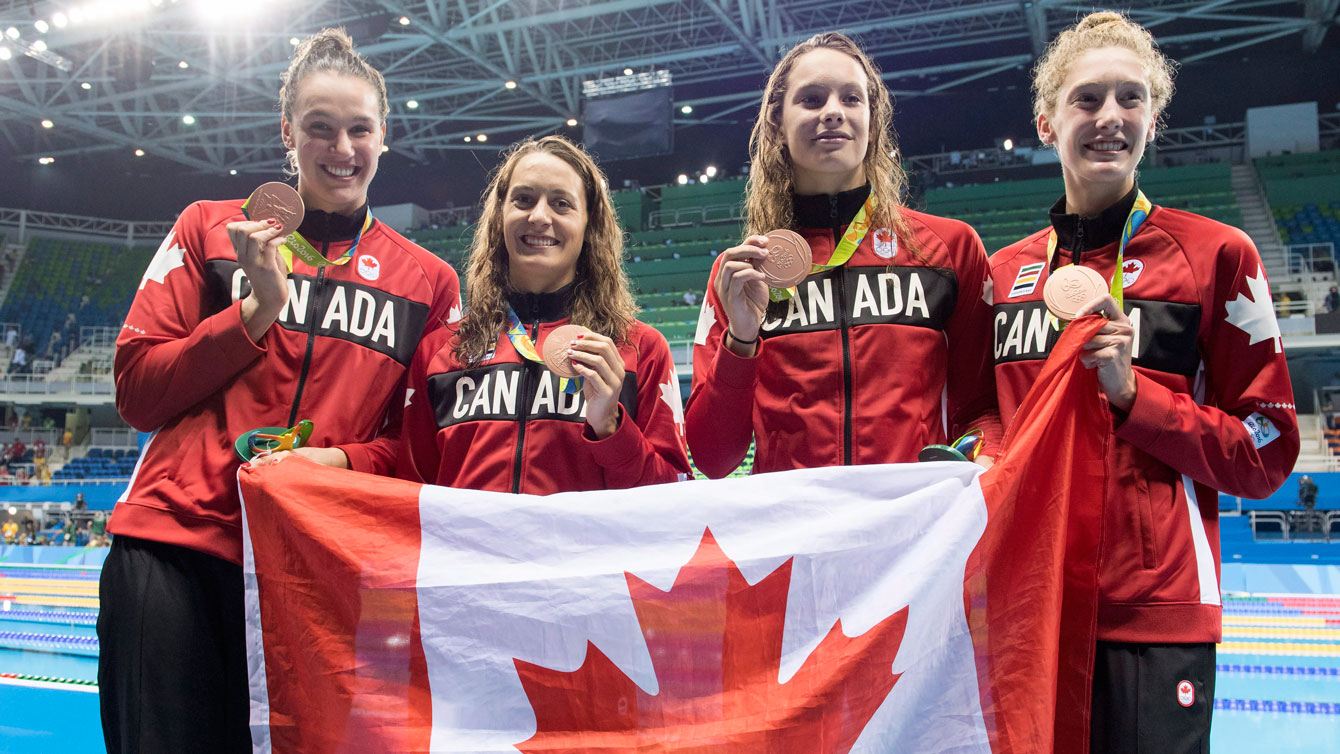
point(549, 384)
point(245, 321)
point(882, 349)
point(1190, 361)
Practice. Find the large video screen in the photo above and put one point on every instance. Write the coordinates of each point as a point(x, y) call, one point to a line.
point(622, 126)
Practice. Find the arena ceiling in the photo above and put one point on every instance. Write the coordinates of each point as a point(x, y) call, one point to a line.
point(123, 75)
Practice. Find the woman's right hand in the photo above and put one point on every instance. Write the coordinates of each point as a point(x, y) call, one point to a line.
point(256, 244)
point(743, 291)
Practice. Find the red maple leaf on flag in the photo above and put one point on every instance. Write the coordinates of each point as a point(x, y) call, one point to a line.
point(716, 646)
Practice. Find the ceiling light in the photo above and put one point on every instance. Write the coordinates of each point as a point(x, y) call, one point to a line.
point(628, 71)
point(46, 123)
point(42, 26)
point(59, 20)
point(188, 120)
point(233, 171)
point(703, 179)
point(85, 86)
point(404, 20)
point(482, 137)
point(45, 160)
point(711, 171)
point(139, 152)
point(682, 179)
point(385, 149)
point(686, 109)
point(12, 33)
point(510, 85)
point(5, 54)
point(469, 139)
point(39, 45)
point(572, 121)
point(182, 64)
point(1008, 144)
point(412, 104)
point(294, 41)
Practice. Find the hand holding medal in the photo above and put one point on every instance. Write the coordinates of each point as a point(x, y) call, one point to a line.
point(275, 209)
point(743, 291)
point(593, 359)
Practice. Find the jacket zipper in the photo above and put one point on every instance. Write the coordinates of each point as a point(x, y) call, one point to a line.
point(1079, 242)
point(311, 338)
point(526, 369)
point(846, 338)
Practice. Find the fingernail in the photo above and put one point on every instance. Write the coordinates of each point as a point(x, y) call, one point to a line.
point(569, 353)
point(270, 221)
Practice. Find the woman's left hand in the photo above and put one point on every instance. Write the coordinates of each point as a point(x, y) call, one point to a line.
point(1109, 351)
point(333, 457)
point(597, 361)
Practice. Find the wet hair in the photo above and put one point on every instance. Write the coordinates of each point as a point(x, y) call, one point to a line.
point(327, 51)
point(602, 298)
point(1096, 31)
point(768, 195)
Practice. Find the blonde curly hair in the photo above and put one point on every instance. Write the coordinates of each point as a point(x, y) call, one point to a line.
point(602, 297)
point(1095, 31)
point(768, 194)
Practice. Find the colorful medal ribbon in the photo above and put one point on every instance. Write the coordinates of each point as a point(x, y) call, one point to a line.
point(272, 440)
point(1139, 211)
point(516, 333)
point(295, 245)
point(856, 231)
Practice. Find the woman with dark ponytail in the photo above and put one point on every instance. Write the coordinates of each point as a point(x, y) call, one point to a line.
point(252, 314)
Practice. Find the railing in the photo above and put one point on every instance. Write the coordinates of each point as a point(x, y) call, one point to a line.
point(1308, 258)
point(82, 384)
point(98, 337)
point(123, 437)
point(25, 220)
point(713, 213)
point(1291, 307)
point(1300, 525)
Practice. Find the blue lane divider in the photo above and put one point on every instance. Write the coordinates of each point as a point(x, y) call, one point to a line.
point(1272, 705)
point(82, 645)
point(49, 616)
point(1306, 671)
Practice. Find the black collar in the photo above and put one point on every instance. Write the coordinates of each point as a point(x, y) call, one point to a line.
point(542, 307)
point(828, 210)
point(318, 225)
point(1078, 234)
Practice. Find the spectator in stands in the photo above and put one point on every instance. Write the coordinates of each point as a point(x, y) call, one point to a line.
point(792, 369)
point(10, 531)
point(197, 367)
point(16, 450)
point(80, 504)
point(547, 253)
point(18, 364)
point(1332, 301)
point(1307, 500)
point(1206, 405)
point(690, 298)
point(12, 337)
point(98, 530)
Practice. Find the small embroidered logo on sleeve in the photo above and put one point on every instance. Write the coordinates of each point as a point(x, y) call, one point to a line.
point(1262, 430)
point(1027, 279)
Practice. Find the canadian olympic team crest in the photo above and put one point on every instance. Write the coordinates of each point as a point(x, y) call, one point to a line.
point(368, 267)
point(1130, 272)
point(886, 243)
point(1186, 694)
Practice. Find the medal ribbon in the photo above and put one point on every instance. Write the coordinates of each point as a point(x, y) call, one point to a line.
point(295, 245)
point(516, 333)
point(1139, 211)
point(856, 231)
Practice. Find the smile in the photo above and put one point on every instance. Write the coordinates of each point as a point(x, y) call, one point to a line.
point(539, 241)
point(340, 171)
point(1107, 146)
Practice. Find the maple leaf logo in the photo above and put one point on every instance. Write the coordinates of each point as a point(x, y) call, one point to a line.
point(706, 318)
point(1255, 316)
point(716, 645)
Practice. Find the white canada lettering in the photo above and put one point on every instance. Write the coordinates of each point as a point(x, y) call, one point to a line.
point(295, 308)
point(337, 311)
point(504, 392)
point(544, 398)
point(1037, 332)
point(1134, 317)
point(821, 300)
point(570, 403)
point(462, 385)
point(385, 329)
point(480, 405)
point(1001, 319)
point(889, 283)
point(238, 277)
point(365, 305)
point(1014, 341)
point(865, 298)
point(916, 296)
point(794, 312)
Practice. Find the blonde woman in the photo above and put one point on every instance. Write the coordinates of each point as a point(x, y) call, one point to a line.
point(485, 411)
point(1202, 400)
point(881, 351)
point(228, 334)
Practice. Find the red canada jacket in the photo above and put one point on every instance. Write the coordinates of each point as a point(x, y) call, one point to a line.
point(1213, 412)
point(187, 371)
point(505, 425)
point(868, 362)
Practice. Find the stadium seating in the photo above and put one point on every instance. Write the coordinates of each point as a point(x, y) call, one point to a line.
point(100, 463)
point(1304, 194)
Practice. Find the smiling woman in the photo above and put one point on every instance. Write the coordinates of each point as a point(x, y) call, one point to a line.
point(1200, 389)
point(252, 319)
point(881, 349)
point(549, 384)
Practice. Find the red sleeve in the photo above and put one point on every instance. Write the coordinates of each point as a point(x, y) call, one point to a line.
point(379, 456)
point(169, 355)
point(718, 421)
point(417, 453)
point(650, 450)
point(971, 379)
point(1243, 438)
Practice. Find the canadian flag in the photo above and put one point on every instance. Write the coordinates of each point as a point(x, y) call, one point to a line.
point(916, 607)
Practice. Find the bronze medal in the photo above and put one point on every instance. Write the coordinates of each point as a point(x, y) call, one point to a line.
point(788, 261)
point(556, 350)
point(278, 201)
point(1069, 288)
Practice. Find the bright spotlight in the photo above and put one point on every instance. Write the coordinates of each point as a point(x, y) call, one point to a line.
point(385, 149)
point(139, 152)
point(39, 45)
point(233, 171)
point(294, 41)
point(1008, 144)
point(13, 511)
point(46, 123)
point(59, 20)
point(482, 137)
point(572, 122)
point(703, 179)
point(45, 160)
point(628, 71)
point(686, 109)
point(682, 179)
point(404, 20)
point(12, 33)
point(85, 86)
point(711, 171)
point(5, 54)
point(182, 64)
point(188, 120)
point(469, 139)
point(509, 85)
point(42, 26)
point(412, 104)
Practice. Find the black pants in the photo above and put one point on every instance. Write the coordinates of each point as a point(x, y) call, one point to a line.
point(1152, 698)
point(172, 666)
